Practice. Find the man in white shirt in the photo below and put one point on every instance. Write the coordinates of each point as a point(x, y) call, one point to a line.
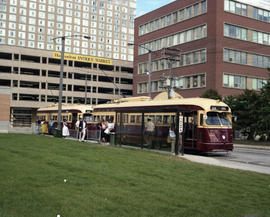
point(149, 132)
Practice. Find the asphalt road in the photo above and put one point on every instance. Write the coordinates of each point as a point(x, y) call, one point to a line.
point(250, 156)
point(243, 158)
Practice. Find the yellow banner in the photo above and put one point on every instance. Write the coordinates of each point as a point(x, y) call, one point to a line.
point(83, 58)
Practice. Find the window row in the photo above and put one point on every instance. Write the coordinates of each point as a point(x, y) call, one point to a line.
point(243, 82)
point(189, 58)
point(54, 99)
point(183, 82)
point(175, 39)
point(245, 10)
point(241, 57)
point(67, 4)
point(246, 34)
point(55, 86)
point(175, 17)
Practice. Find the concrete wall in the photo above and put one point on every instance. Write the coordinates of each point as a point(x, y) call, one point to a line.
point(5, 98)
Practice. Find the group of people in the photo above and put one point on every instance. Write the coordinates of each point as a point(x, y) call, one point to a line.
point(80, 126)
point(107, 127)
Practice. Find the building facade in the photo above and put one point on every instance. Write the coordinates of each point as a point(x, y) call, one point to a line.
point(202, 44)
point(97, 68)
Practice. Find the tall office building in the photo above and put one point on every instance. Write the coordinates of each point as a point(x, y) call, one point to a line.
point(218, 44)
point(97, 68)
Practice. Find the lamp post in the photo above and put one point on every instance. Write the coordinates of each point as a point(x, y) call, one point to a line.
point(149, 65)
point(63, 38)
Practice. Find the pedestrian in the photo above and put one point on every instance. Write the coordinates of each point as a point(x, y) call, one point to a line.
point(79, 127)
point(51, 125)
point(99, 131)
point(84, 128)
point(65, 130)
point(171, 138)
point(103, 128)
point(44, 127)
point(39, 126)
point(109, 129)
point(149, 132)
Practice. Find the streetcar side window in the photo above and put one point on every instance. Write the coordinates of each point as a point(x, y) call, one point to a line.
point(138, 119)
point(132, 119)
point(159, 119)
point(166, 119)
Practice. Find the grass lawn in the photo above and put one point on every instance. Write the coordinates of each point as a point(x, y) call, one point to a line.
point(115, 182)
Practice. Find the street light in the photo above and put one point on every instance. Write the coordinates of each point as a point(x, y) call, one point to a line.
point(149, 65)
point(63, 38)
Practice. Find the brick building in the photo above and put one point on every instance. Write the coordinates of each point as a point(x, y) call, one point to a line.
point(219, 44)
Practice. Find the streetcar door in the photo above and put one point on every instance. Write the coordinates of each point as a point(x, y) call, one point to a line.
point(190, 124)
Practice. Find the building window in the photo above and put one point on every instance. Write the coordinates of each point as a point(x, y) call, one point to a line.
point(234, 81)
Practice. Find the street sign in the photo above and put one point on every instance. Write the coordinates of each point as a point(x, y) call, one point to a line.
point(181, 124)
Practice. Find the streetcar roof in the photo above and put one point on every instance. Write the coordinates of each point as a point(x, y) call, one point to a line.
point(198, 103)
point(67, 107)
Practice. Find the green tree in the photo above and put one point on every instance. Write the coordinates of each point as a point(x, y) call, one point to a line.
point(264, 111)
point(246, 112)
point(212, 94)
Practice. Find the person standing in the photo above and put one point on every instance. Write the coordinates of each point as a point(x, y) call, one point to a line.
point(79, 126)
point(84, 128)
point(51, 125)
point(171, 138)
point(103, 128)
point(149, 132)
point(65, 130)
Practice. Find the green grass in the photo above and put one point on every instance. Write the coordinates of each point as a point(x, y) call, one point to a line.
point(114, 182)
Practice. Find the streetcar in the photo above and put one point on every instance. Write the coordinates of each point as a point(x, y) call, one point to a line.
point(205, 124)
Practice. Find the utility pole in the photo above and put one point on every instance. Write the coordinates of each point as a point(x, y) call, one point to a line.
point(63, 38)
point(171, 56)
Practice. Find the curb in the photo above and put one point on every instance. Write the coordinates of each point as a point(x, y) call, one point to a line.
point(251, 146)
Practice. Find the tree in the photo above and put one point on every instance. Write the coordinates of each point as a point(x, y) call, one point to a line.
point(245, 110)
point(212, 94)
point(264, 111)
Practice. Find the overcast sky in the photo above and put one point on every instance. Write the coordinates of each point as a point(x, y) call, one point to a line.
point(145, 6)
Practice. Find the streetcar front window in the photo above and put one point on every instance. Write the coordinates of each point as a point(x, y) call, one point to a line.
point(212, 118)
point(218, 119)
point(224, 119)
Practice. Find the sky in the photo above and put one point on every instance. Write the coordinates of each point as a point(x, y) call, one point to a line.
point(145, 6)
